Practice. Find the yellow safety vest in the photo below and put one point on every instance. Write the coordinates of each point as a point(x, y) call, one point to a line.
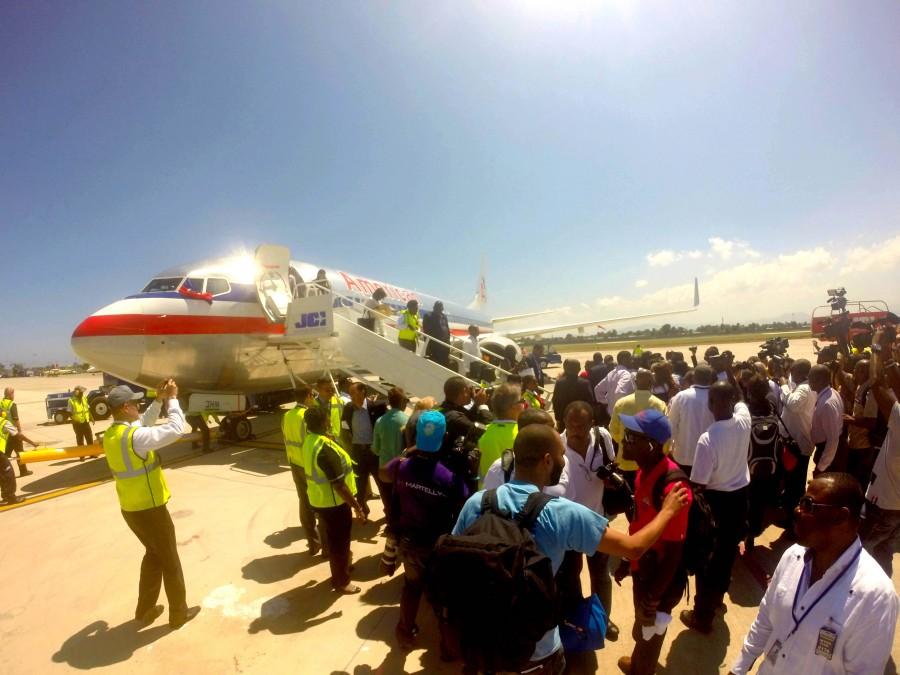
point(412, 325)
point(5, 405)
point(140, 483)
point(293, 428)
point(318, 487)
point(532, 399)
point(4, 434)
point(497, 437)
point(334, 407)
point(81, 412)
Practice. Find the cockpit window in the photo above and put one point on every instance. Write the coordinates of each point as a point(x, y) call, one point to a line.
point(193, 284)
point(162, 285)
point(217, 286)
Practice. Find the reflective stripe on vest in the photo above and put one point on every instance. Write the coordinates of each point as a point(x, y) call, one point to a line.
point(412, 325)
point(5, 405)
point(140, 484)
point(293, 428)
point(80, 410)
point(4, 435)
point(319, 489)
point(333, 407)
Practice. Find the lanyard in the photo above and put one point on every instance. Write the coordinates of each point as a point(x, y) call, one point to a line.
point(840, 576)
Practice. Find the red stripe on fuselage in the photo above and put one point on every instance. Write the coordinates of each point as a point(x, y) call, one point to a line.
point(174, 324)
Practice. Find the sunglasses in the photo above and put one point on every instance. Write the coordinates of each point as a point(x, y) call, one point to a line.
point(633, 437)
point(807, 505)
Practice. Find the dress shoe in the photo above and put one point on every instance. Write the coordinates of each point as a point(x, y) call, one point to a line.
point(176, 621)
point(612, 632)
point(15, 499)
point(150, 615)
point(24, 472)
point(624, 664)
point(689, 618)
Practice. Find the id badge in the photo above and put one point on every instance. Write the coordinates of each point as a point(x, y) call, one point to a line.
point(772, 656)
point(825, 643)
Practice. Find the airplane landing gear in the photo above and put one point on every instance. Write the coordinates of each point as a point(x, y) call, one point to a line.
point(236, 428)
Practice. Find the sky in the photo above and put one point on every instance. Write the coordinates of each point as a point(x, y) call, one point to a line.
point(597, 155)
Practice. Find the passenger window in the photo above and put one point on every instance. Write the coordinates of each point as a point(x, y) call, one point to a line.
point(162, 285)
point(193, 284)
point(217, 286)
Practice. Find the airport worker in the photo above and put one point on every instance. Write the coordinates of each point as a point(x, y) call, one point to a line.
point(331, 404)
point(534, 361)
point(81, 416)
point(408, 326)
point(827, 427)
point(499, 435)
point(530, 392)
point(880, 531)
point(8, 431)
point(358, 420)
point(829, 607)
point(435, 325)
point(631, 405)
point(720, 470)
point(130, 445)
point(560, 526)
point(10, 411)
point(293, 429)
point(331, 487)
point(568, 388)
point(659, 579)
point(588, 447)
point(428, 496)
point(200, 422)
point(690, 416)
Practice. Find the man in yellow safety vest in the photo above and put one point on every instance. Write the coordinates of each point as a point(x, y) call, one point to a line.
point(80, 413)
point(331, 487)
point(293, 428)
point(408, 326)
point(8, 432)
point(329, 401)
point(9, 411)
point(130, 446)
point(506, 404)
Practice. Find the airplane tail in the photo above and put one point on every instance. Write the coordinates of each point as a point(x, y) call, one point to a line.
point(696, 292)
point(480, 299)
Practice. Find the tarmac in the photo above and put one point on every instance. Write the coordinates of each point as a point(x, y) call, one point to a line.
point(71, 568)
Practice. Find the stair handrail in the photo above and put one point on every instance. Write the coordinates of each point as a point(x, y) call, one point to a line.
point(453, 348)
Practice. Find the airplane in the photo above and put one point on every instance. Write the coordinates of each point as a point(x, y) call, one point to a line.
point(219, 326)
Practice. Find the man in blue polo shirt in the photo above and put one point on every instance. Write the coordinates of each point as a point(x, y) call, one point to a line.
point(562, 525)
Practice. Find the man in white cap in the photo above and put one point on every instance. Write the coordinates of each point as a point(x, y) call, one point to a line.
point(130, 444)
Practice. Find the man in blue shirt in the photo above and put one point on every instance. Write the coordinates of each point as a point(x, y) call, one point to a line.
point(562, 525)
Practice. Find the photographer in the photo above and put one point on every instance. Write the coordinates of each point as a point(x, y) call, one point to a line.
point(464, 427)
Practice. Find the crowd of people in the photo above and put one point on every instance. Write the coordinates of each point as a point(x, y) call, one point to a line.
point(698, 456)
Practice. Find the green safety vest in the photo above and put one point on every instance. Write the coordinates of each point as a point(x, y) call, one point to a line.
point(318, 487)
point(4, 435)
point(5, 405)
point(412, 325)
point(140, 483)
point(497, 437)
point(293, 428)
point(532, 399)
point(334, 407)
point(81, 412)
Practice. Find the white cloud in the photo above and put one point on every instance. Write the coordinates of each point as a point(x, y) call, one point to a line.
point(662, 258)
point(719, 249)
point(878, 256)
point(641, 283)
point(726, 248)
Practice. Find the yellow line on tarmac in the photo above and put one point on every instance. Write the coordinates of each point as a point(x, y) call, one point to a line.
point(52, 495)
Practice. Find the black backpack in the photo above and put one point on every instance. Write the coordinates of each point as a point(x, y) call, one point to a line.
point(493, 588)
point(701, 530)
point(765, 437)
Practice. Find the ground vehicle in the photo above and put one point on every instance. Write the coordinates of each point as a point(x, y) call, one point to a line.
point(848, 323)
point(550, 357)
point(57, 407)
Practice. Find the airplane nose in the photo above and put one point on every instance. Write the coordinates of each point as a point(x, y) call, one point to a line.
point(112, 339)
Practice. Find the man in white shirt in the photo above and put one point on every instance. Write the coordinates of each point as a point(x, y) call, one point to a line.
point(689, 416)
point(618, 383)
point(471, 354)
point(828, 421)
point(720, 469)
point(587, 449)
point(880, 531)
point(829, 608)
point(797, 416)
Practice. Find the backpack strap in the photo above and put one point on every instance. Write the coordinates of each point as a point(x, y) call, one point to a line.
point(533, 506)
point(670, 476)
point(489, 503)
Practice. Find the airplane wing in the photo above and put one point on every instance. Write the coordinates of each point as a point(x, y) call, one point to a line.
point(516, 317)
point(541, 330)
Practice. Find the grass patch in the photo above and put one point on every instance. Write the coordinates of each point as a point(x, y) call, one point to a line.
point(677, 341)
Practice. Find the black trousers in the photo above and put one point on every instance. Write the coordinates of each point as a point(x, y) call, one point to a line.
point(198, 423)
point(7, 478)
point(795, 485)
point(408, 344)
point(730, 512)
point(761, 495)
point(646, 652)
point(314, 538)
point(568, 579)
point(14, 447)
point(161, 565)
point(83, 433)
point(337, 522)
point(415, 562)
point(366, 465)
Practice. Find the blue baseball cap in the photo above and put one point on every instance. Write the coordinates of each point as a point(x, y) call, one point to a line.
point(649, 422)
point(430, 431)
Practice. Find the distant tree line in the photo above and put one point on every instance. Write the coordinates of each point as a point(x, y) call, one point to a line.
point(20, 370)
point(667, 330)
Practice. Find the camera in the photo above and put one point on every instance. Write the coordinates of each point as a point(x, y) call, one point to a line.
point(837, 298)
point(609, 472)
point(774, 348)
